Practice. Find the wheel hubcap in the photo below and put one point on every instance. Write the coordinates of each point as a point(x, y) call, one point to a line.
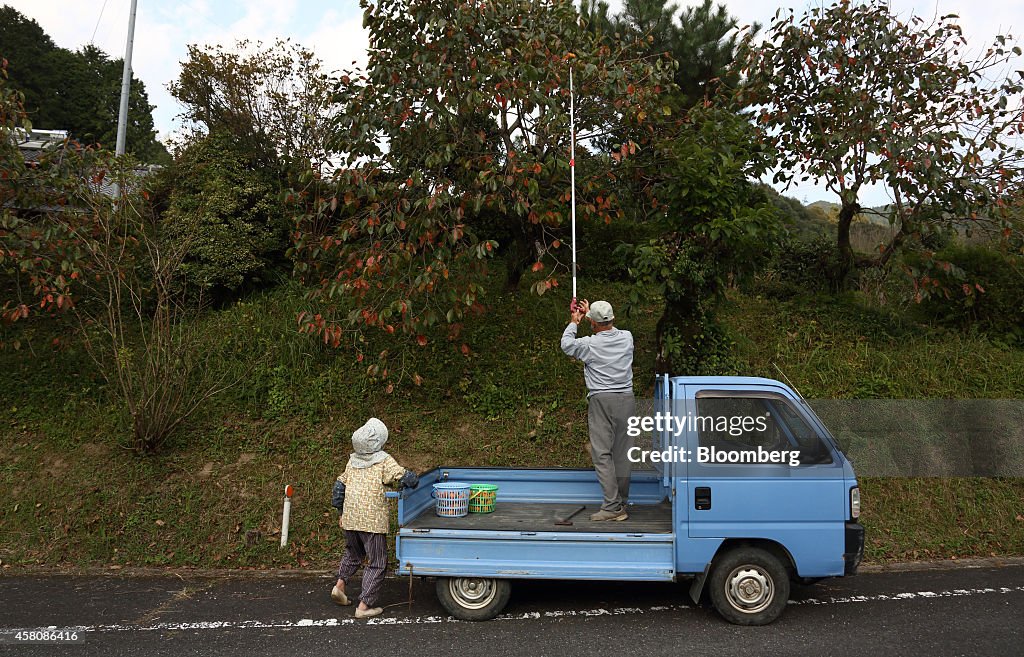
point(473, 592)
point(749, 589)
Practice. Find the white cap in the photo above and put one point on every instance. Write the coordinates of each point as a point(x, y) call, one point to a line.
point(601, 312)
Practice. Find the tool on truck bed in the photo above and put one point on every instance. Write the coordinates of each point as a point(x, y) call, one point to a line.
point(566, 522)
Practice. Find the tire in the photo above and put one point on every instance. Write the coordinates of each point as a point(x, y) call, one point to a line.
point(749, 586)
point(473, 598)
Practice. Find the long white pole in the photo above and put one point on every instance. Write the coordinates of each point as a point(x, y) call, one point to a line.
point(126, 83)
point(572, 178)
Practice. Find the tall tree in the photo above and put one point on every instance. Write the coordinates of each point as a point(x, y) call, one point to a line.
point(711, 223)
point(25, 46)
point(459, 124)
point(76, 91)
point(275, 101)
point(703, 40)
point(853, 96)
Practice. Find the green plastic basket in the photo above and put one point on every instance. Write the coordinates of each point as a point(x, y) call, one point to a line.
point(482, 498)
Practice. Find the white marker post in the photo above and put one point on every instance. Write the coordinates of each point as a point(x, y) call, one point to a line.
point(286, 514)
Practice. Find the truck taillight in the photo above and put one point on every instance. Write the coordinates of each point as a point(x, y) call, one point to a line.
point(855, 502)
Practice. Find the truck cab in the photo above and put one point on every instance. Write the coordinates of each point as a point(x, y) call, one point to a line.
point(737, 486)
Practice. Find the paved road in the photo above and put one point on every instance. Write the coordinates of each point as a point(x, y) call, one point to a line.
point(936, 612)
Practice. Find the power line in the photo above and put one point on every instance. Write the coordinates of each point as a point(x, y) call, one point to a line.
point(93, 37)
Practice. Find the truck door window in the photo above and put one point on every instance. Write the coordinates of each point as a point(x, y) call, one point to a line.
point(731, 423)
point(746, 422)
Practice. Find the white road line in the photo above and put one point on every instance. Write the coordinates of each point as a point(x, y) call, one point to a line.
point(918, 595)
point(530, 615)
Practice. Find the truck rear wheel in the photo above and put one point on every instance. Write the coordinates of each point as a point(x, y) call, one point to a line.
point(473, 598)
point(749, 586)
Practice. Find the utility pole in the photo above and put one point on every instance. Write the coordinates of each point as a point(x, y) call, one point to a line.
point(126, 84)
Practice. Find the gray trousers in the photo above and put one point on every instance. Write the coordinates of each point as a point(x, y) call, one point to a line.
point(607, 417)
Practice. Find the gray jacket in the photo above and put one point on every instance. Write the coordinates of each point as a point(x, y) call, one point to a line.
point(607, 358)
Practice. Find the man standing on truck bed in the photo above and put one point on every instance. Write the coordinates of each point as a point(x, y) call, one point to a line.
point(608, 370)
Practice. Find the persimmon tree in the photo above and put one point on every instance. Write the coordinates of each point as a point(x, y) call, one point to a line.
point(456, 138)
point(852, 95)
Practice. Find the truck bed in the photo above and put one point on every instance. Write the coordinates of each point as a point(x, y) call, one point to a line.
point(540, 517)
point(520, 538)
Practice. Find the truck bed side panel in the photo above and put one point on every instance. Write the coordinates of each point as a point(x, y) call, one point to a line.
point(545, 555)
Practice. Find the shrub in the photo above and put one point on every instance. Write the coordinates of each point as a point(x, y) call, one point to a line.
point(980, 286)
point(230, 213)
point(800, 266)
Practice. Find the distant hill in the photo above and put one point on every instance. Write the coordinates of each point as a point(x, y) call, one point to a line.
point(829, 211)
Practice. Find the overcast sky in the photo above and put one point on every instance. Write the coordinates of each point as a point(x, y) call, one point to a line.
point(333, 30)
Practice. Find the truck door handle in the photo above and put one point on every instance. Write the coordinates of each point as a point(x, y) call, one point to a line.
point(702, 498)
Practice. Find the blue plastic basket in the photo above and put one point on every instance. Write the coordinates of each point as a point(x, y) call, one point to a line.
point(452, 499)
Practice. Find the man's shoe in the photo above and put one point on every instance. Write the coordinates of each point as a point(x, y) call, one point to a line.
point(369, 613)
point(339, 596)
point(609, 515)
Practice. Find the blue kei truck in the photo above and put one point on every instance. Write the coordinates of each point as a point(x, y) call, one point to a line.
point(723, 503)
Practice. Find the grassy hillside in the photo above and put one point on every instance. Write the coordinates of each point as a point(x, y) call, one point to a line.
point(77, 497)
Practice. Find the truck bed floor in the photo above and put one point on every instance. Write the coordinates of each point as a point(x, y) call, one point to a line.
point(540, 517)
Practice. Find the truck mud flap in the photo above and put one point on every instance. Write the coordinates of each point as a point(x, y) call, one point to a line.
point(697, 585)
point(854, 552)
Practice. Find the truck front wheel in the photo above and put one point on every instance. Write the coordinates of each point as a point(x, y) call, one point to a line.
point(473, 598)
point(749, 586)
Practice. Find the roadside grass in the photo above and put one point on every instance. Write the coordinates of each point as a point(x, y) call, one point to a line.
point(934, 518)
point(845, 348)
point(212, 497)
